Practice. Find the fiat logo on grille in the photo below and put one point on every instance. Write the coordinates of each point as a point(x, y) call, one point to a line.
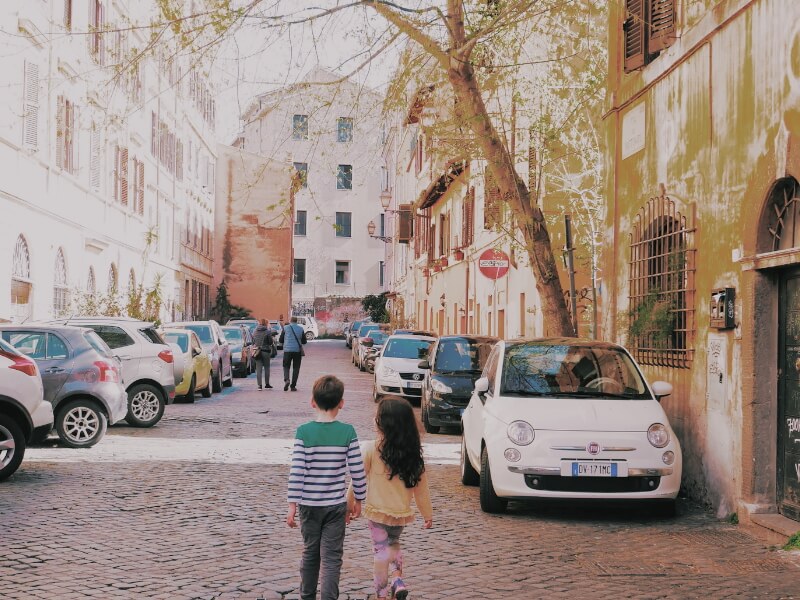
point(417, 376)
point(593, 448)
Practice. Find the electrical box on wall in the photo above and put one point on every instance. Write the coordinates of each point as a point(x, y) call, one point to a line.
point(723, 308)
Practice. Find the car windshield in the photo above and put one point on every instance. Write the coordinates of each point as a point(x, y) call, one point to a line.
point(151, 334)
point(233, 334)
point(364, 328)
point(571, 371)
point(203, 332)
point(378, 337)
point(406, 348)
point(96, 342)
point(178, 338)
point(460, 355)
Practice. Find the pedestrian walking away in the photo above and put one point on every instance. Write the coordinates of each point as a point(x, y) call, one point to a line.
point(293, 337)
point(395, 473)
point(325, 450)
point(263, 351)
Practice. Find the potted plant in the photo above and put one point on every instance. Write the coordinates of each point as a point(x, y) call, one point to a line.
point(458, 254)
point(443, 261)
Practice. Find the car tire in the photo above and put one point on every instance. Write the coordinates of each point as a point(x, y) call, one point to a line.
point(10, 457)
point(376, 397)
point(217, 382)
point(189, 397)
point(80, 423)
point(469, 476)
point(426, 422)
point(229, 382)
point(309, 335)
point(206, 391)
point(361, 366)
point(145, 405)
point(490, 502)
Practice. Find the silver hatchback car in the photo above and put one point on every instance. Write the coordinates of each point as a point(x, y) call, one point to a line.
point(80, 376)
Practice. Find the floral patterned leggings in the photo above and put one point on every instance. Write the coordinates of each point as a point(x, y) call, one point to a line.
point(388, 556)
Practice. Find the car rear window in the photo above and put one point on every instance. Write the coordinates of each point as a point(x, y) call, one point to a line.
point(378, 337)
point(151, 334)
point(233, 335)
point(406, 348)
point(461, 355)
point(114, 336)
point(203, 332)
point(96, 342)
point(178, 338)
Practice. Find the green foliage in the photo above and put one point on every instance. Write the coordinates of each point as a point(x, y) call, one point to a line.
point(88, 304)
point(653, 317)
point(733, 518)
point(145, 303)
point(223, 310)
point(793, 543)
point(375, 306)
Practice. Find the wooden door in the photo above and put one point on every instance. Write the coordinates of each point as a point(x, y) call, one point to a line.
point(789, 397)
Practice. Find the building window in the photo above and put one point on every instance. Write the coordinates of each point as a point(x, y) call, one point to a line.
point(60, 289)
point(68, 15)
point(344, 177)
point(137, 182)
point(302, 171)
point(381, 270)
point(649, 27)
point(121, 175)
point(96, 26)
point(383, 224)
point(344, 129)
point(343, 272)
point(30, 108)
point(300, 127)
point(492, 205)
point(66, 136)
point(344, 224)
point(468, 219)
point(300, 222)
point(91, 282)
point(299, 275)
point(661, 294)
point(21, 285)
point(113, 280)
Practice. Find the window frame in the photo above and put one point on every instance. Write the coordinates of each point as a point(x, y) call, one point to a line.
point(295, 263)
point(302, 170)
point(299, 127)
point(347, 273)
point(348, 131)
point(343, 230)
point(344, 178)
point(298, 221)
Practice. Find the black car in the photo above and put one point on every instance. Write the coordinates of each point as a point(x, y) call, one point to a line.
point(238, 336)
point(456, 362)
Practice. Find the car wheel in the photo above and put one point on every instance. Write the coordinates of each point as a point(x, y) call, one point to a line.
point(206, 391)
point(81, 424)
point(145, 405)
point(361, 366)
point(229, 382)
point(490, 502)
point(376, 397)
point(217, 386)
point(12, 446)
point(190, 394)
point(469, 476)
point(309, 335)
point(426, 422)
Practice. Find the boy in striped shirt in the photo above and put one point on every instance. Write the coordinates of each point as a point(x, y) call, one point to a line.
point(325, 450)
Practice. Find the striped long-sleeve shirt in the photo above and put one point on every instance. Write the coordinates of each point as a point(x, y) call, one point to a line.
point(323, 454)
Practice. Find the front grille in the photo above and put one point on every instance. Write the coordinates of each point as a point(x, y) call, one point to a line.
point(412, 391)
point(596, 485)
point(410, 376)
point(458, 401)
point(391, 389)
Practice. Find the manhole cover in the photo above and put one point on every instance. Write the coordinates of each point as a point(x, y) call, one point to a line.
point(755, 565)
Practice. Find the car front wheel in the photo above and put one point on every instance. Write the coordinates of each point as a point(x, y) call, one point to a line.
point(206, 391)
point(229, 382)
point(469, 476)
point(490, 502)
point(81, 424)
point(145, 405)
point(12, 446)
point(426, 421)
point(189, 397)
point(217, 386)
point(310, 335)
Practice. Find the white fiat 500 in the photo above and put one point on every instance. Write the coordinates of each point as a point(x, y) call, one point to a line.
point(567, 418)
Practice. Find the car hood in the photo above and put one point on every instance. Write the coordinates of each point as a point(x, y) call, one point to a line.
point(402, 365)
point(462, 384)
point(236, 348)
point(583, 414)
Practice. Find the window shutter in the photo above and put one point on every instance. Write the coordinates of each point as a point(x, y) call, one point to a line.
point(30, 120)
point(634, 33)
point(532, 169)
point(61, 123)
point(491, 202)
point(74, 139)
point(68, 15)
point(662, 25)
point(468, 219)
point(123, 176)
point(94, 159)
point(140, 189)
point(153, 134)
point(405, 226)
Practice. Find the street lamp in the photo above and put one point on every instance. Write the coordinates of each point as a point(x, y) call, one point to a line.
point(371, 231)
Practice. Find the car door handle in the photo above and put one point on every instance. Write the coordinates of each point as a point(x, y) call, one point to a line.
point(54, 370)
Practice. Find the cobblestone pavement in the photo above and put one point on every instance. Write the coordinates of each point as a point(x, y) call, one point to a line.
point(194, 508)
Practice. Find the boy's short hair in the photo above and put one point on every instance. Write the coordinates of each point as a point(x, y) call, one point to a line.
point(328, 391)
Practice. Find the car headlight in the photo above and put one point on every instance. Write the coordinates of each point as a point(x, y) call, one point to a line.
point(387, 371)
point(441, 388)
point(658, 435)
point(521, 433)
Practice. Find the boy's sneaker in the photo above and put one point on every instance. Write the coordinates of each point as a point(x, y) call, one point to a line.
point(399, 591)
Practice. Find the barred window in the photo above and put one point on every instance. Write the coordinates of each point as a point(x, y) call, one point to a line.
point(60, 289)
point(661, 286)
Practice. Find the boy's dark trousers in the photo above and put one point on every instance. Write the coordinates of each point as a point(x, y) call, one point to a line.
point(291, 359)
point(323, 530)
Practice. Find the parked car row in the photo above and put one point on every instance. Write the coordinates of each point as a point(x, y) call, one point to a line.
point(77, 376)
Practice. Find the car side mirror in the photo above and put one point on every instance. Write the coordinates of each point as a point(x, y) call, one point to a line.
point(368, 342)
point(661, 389)
point(481, 387)
point(423, 364)
point(195, 352)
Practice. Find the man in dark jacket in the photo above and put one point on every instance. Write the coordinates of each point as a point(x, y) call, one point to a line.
point(263, 340)
point(292, 338)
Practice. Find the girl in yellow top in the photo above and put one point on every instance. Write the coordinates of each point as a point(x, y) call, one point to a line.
point(395, 473)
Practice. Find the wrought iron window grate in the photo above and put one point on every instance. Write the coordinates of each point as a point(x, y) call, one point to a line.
point(662, 285)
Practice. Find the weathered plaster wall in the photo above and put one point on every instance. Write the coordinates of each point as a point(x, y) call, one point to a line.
point(721, 116)
point(253, 232)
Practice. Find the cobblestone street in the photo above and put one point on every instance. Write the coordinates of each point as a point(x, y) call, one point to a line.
point(194, 508)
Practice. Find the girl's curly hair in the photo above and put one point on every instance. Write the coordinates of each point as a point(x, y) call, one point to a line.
point(400, 447)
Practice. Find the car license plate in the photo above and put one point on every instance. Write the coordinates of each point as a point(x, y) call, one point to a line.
point(593, 469)
point(414, 384)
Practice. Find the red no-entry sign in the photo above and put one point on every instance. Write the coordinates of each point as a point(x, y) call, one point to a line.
point(493, 263)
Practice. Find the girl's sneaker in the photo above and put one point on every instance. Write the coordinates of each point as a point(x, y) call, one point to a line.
point(399, 591)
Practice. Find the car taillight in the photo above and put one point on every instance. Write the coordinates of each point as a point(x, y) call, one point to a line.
point(23, 364)
point(99, 372)
point(108, 373)
point(166, 356)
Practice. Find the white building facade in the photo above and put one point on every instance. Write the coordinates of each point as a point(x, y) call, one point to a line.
point(106, 177)
point(329, 132)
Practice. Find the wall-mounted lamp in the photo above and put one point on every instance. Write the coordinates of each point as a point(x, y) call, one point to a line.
point(443, 300)
point(371, 231)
